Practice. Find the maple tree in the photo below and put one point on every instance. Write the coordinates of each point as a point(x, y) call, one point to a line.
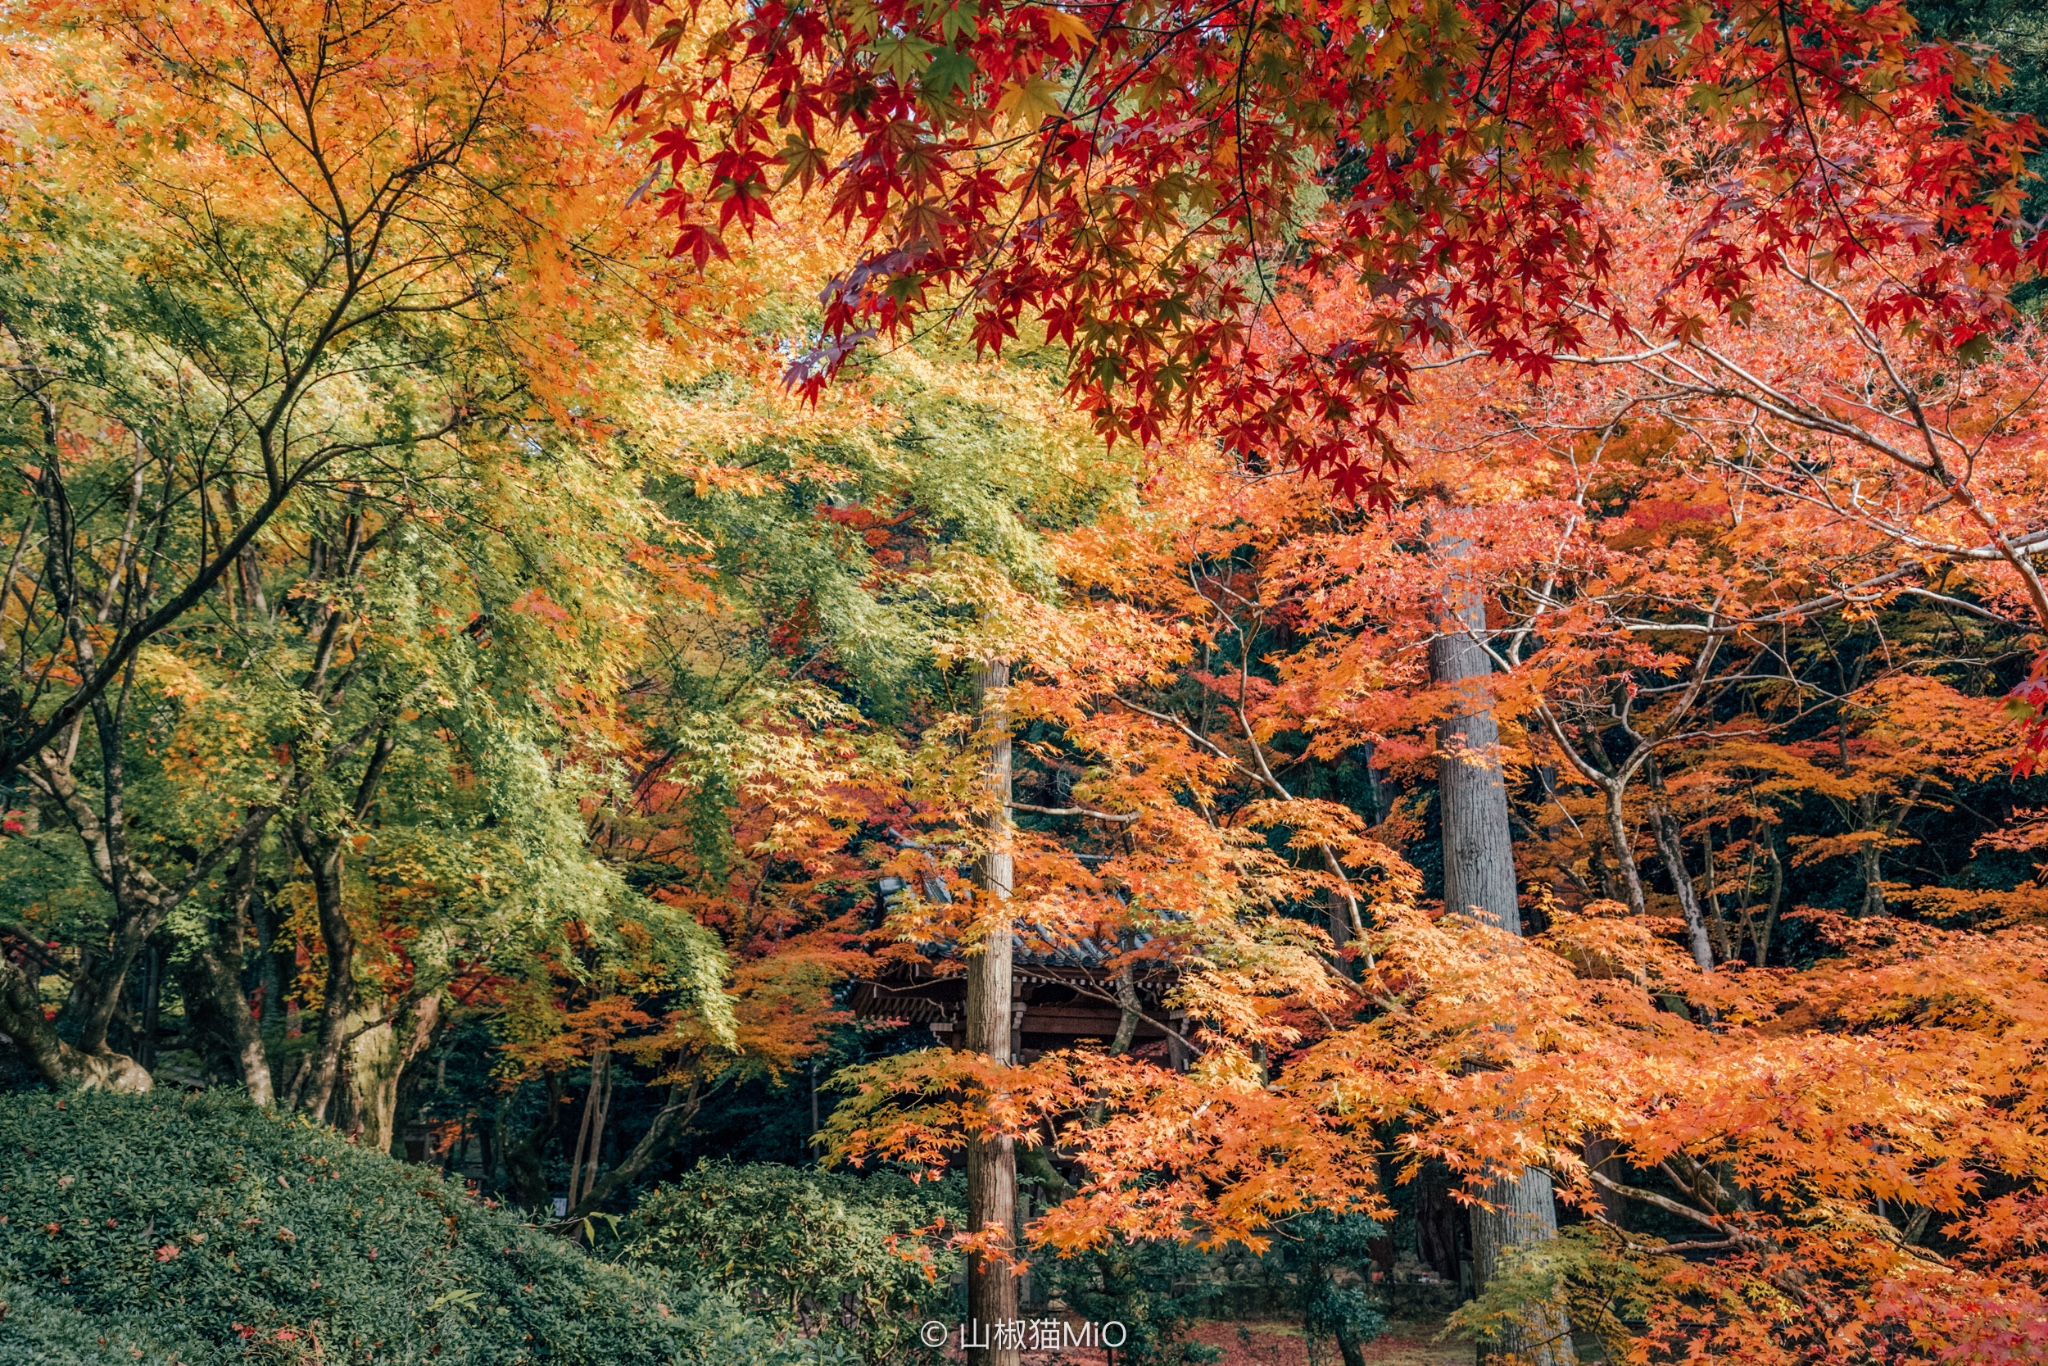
point(1140, 176)
point(1799, 1214)
point(286, 389)
point(791, 701)
point(1519, 707)
point(1720, 648)
point(247, 278)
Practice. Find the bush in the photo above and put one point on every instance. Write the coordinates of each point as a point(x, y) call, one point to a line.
point(1155, 1289)
point(826, 1254)
point(1303, 1266)
point(201, 1230)
point(34, 1331)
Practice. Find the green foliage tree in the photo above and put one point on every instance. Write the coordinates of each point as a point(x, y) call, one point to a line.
point(1155, 1288)
point(276, 397)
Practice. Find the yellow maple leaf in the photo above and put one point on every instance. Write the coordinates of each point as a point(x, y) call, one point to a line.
point(1070, 27)
point(1030, 100)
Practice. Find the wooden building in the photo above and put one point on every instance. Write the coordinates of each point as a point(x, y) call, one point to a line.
point(1059, 997)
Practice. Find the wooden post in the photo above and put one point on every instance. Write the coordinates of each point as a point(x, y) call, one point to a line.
point(992, 1162)
point(1479, 880)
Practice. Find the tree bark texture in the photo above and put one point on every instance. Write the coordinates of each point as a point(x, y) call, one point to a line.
point(1479, 879)
point(1870, 857)
point(323, 857)
point(224, 984)
point(992, 1288)
point(1472, 797)
point(1129, 1014)
point(1523, 1211)
point(61, 1065)
point(324, 852)
point(1337, 917)
point(377, 1059)
point(142, 903)
point(220, 960)
point(1624, 849)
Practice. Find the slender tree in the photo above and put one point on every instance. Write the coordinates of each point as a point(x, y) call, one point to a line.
point(992, 1284)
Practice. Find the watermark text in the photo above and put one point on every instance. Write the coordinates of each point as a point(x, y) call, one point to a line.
point(1024, 1335)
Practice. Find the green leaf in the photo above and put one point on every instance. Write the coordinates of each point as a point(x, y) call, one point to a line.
point(902, 56)
point(959, 21)
point(950, 72)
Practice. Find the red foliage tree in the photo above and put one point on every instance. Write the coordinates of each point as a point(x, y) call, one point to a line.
point(1141, 176)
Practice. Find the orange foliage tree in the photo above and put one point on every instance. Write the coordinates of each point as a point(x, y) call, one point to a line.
point(1722, 594)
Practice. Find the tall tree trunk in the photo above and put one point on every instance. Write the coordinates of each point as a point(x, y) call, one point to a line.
point(324, 851)
point(1479, 878)
point(1518, 1212)
point(1871, 855)
point(224, 985)
point(219, 960)
point(267, 957)
point(992, 1162)
point(243, 905)
point(377, 1059)
point(1479, 854)
point(139, 906)
point(323, 857)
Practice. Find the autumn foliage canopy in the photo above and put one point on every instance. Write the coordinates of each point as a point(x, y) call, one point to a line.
point(514, 510)
point(1140, 178)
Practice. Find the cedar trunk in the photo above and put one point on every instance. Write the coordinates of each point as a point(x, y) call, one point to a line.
point(1479, 880)
point(1479, 854)
point(992, 1161)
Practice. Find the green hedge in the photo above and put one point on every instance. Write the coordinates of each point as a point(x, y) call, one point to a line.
point(826, 1254)
point(200, 1230)
point(35, 1331)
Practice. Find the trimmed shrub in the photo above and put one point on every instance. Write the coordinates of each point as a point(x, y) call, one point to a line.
point(201, 1230)
point(846, 1259)
point(36, 1332)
